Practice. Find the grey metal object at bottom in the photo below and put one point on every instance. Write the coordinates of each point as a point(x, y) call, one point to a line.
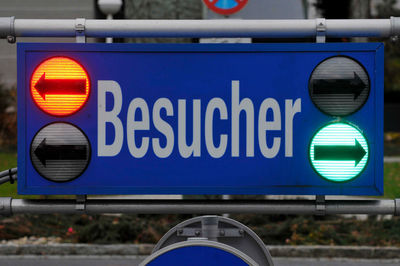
point(221, 230)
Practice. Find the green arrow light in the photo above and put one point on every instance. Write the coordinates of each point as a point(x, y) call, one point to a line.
point(339, 152)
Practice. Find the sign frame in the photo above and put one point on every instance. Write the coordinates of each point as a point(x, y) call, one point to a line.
point(374, 187)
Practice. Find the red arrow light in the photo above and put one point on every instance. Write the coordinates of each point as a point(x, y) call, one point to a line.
point(60, 86)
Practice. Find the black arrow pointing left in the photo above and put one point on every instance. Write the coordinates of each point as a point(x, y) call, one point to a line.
point(46, 152)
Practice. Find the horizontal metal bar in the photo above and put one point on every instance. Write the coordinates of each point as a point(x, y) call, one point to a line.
point(200, 28)
point(10, 206)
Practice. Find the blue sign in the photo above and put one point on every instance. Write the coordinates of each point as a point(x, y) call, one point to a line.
point(199, 256)
point(200, 119)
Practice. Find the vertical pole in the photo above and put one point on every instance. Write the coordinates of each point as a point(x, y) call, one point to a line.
point(320, 207)
point(109, 39)
point(226, 197)
point(320, 30)
point(209, 227)
point(80, 24)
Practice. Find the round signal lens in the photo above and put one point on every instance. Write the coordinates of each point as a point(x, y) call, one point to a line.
point(339, 152)
point(60, 86)
point(339, 86)
point(60, 152)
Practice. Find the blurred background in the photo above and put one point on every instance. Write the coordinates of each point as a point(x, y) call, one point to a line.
point(343, 230)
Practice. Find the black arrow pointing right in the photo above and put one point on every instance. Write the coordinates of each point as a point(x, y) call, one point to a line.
point(353, 86)
point(46, 152)
point(340, 152)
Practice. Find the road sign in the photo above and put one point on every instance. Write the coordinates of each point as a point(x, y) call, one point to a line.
point(225, 7)
point(204, 119)
point(198, 253)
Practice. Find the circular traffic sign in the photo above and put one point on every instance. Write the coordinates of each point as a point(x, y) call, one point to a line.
point(225, 7)
point(199, 252)
point(60, 86)
point(60, 152)
point(339, 152)
point(339, 86)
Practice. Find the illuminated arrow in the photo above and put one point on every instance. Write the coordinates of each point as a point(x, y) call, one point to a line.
point(339, 152)
point(46, 152)
point(60, 86)
point(339, 86)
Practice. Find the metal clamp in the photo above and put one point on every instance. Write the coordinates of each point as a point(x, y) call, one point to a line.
point(80, 203)
point(209, 229)
point(5, 206)
point(397, 207)
point(196, 232)
point(394, 28)
point(80, 30)
point(320, 30)
point(7, 28)
point(320, 208)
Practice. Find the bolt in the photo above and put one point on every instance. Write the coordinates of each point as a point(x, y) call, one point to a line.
point(241, 231)
point(197, 233)
point(222, 232)
point(11, 39)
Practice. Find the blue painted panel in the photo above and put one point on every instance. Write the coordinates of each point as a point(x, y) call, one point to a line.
point(202, 73)
point(197, 256)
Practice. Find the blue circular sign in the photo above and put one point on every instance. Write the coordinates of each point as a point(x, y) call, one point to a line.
point(197, 255)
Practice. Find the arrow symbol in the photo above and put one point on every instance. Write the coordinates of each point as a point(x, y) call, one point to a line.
point(339, 152)
point(339, 86)
point(46, 152)
point(60, 86)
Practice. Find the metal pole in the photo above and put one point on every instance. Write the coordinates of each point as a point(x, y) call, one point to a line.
point(200, 28)
point(10, 206)
point(109, 39)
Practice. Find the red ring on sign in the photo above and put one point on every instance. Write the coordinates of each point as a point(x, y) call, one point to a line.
point(212, 5)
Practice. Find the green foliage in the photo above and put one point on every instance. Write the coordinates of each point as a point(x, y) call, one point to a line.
point(272, 229)
point(392, 180)
point(100, 229)
point(8, 116)
point(329, 230)
point(7, 161)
